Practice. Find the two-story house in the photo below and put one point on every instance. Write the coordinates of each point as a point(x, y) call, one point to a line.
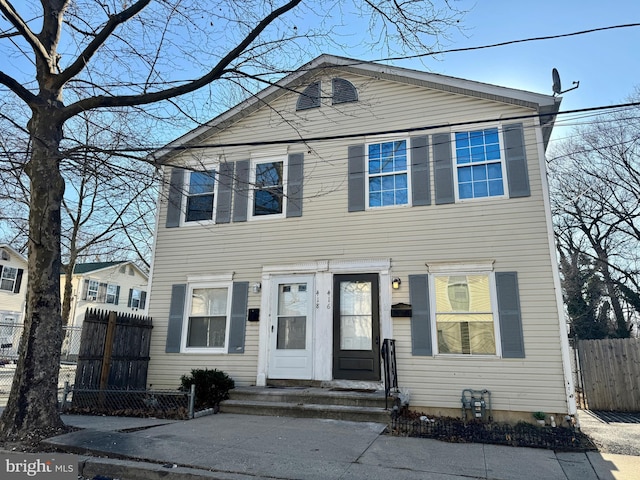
point(290, 225)
point(13, 288)
point(113, 286)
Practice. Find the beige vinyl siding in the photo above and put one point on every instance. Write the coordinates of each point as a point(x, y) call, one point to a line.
point(512, 232)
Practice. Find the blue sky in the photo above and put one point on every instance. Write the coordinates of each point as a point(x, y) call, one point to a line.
point(606, 63)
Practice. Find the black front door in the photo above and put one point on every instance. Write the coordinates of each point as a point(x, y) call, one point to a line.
point(356, 327)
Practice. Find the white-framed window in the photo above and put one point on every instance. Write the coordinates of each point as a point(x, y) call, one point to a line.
point(8, 278)
point(206, 326)
point(479, 164)
point(465, 314)
point(268, 187)
point(200, 196)
point(112, 294)
point(92, 290)
point(137, 298)
point(388, 173)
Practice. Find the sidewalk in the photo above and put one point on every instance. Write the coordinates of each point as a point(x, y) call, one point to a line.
point(242, 447)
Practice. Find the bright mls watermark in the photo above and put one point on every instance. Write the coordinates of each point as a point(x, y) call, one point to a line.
point(50, 466)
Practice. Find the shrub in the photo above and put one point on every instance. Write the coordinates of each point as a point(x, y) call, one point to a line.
point(212, 386)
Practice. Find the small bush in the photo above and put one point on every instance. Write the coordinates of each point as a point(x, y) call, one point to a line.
point(212, 386)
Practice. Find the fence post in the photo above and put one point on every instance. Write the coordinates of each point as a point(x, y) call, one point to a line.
point(192, 400)
point(108, 348)
point(65, 392)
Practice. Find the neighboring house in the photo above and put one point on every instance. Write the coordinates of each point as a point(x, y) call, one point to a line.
point(303, 217)
point(13, 288)
point(112, 286)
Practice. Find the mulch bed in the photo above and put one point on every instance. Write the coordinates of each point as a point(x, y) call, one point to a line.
point(522, 434)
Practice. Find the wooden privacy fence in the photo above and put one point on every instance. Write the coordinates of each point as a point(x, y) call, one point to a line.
point(610, 371)
point(114, 351)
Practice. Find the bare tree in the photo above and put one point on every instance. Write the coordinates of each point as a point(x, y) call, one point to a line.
point(596, 202)
point(124, 55)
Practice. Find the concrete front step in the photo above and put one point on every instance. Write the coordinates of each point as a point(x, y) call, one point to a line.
point(307, 410)
point(308, 402)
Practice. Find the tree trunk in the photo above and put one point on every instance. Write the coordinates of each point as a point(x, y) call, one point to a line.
point(32, 408)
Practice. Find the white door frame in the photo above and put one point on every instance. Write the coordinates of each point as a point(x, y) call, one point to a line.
point(322, 340)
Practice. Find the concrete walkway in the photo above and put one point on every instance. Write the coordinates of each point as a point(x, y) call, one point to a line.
point(240, 447)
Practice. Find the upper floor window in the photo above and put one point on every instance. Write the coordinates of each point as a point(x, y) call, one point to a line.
point(208, 318)
point(387, 174)
point(137, 298)
point(479, 165)
point(8, 278)
point(200, 195)
point(268, 192)
point(464, 314)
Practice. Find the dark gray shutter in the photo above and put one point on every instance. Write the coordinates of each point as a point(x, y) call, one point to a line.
point(174, 205)
point(176, 318)
point(239, 301)
point(143, 299)
point(241, 191)
point(295, 179)
point(85, 289)
point(516, 160)
point(16, 288)
point(509, 315)
point(130, 297)
point(420, 188)
point(225, 181)
point(421, 318)
point(117, 294)
point(102, 293)
point(356, 178)
point(443, 169)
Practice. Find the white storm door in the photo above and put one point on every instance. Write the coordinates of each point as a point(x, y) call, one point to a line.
point(291, 328)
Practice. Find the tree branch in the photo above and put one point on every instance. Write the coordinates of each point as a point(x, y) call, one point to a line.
point(214, 74)
point(114, 21)
point(25, 95)
point(14, 18)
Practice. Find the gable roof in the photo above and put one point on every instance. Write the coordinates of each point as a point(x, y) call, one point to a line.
point(13, 251)
point(89, 267)
point(546, 106)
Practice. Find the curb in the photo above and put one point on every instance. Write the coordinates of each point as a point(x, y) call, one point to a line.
point(90, 467)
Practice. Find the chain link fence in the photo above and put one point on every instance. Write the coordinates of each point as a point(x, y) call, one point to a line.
point(10, 334)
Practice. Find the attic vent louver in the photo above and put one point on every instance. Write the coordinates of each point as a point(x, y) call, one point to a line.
point(344, 91)
point(310, 98)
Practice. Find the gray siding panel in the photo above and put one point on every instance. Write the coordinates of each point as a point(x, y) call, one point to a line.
point(516, 160)
point(356, 178)
point(174, 204)
point(294, 184)
point(241, 191)
point(225, 182)
point(420, 319)
point(420, 179)
point(443, 169)
point(509, 314)
point(239, 302)
point(176, 318)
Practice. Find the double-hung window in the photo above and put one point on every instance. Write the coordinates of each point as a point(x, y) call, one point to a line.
point(200, 196)
point(112, 294)
point(479, 164)
point(8, 278)
point(465, 319)
point(387, 174)
point(92, 290)
point(268, 194)
point(208, 318)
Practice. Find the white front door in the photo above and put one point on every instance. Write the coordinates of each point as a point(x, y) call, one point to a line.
point(291, 328)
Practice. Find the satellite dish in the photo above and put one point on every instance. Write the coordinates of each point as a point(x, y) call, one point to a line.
point(557, 85)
